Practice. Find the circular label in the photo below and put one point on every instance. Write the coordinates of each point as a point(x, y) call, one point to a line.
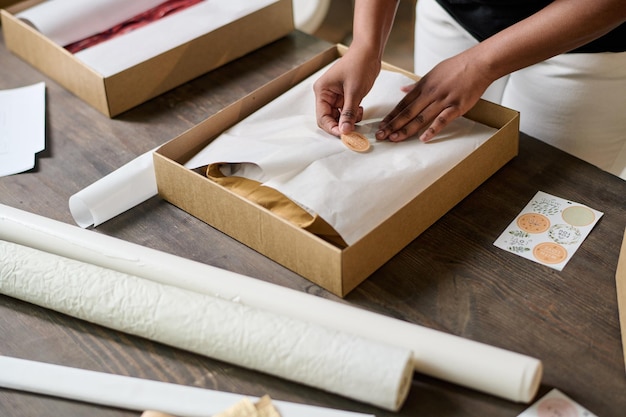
point(578, 216)
point(533, 222)
point(550, 253)
point(556, 407)
point(355, 141)
point(564, 234)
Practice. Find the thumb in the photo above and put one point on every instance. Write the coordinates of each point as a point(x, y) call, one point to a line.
point(351, 113)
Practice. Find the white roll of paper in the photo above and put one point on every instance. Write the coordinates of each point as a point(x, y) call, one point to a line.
point(113, 194)
point(475, 365)
point(135, 393)
point(337, 362)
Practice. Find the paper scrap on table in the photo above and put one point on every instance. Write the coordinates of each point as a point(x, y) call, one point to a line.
point(22, 127)
point(549, 230)
point(281, 146)
point(556, 404)
point(66, 21)
point(113, 194)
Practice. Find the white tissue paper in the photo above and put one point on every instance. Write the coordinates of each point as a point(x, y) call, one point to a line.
point(281, 146)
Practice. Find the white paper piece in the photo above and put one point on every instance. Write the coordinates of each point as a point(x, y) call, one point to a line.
point(548, 230)
point(122, 52)
point(134, 393)
point(338, 362)
point(556, 404)
point(115, 193)
point(281, 146)
point(68, 21)
point(22, 127)
point(441, 355)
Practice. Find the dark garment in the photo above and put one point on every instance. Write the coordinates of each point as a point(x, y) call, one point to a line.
point(484, 18)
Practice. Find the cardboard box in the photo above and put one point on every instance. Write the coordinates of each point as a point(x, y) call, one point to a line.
point(117, 93)
point(620, 281)
point(337, 270)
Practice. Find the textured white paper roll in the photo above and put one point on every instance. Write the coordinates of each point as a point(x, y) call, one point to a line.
point(338, 362)
point(451, 358)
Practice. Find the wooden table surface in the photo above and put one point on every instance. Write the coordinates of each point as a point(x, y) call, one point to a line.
point(451, 278)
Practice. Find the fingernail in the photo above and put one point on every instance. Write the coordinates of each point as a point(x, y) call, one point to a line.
point(380, 135)
point(346, 127)
point(393, 137)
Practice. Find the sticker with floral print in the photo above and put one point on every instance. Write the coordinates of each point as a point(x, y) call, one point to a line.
point(549, 230)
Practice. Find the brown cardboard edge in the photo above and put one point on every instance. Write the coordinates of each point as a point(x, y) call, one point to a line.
point(283, 242)
point(620, 283)
point(51, 59)
point(354, 266)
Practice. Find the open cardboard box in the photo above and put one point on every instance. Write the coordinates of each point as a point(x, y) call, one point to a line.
point(117, 93)
point(337, 270)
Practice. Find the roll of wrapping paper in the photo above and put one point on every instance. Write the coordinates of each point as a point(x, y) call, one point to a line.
point(472, 364)
point(328, 359)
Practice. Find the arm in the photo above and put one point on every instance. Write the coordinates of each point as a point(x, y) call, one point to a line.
point(440, 96)
point(338, 93)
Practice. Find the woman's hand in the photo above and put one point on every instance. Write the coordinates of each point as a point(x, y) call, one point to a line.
point(448, 91)
point(338, 93)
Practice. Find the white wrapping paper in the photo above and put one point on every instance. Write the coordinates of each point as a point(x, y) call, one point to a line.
point(281, 146)
point(134, 393)
point(68, 21)
point(451, 358)
point(338, 362)
point(115, 193)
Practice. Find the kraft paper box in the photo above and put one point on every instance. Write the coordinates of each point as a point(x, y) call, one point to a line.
point(114, 94)
point(337, 270)
point(620, 281)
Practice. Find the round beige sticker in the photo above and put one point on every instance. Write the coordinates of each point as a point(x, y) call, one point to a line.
point(533, 222)
point(578, 216)
point(550, 253)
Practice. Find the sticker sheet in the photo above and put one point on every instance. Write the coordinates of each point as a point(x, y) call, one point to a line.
point(549, 230)
point(556, 404)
